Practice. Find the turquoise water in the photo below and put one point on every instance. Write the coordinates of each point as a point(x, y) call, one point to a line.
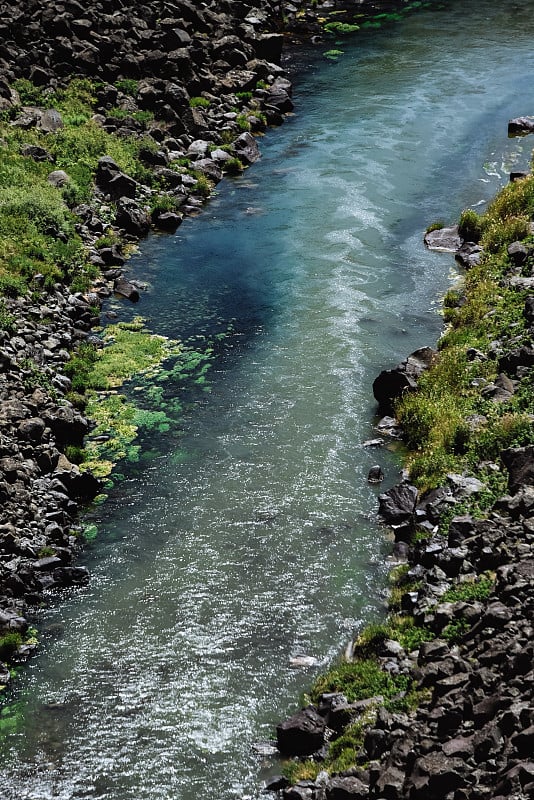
point(249, 537)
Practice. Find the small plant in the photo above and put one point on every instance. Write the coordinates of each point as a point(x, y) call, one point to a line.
point(128, 86)
point(333, 54)
point(46, 551)
point(9, 644)
point(435, 226)
point(475, 589)
point(234, 166)
point(454, 631)
point(198, 102)
point(242, 122)
point(470, 225)
point(341, 28)
point(7, 320)
point(296, 771)
point(203, 186)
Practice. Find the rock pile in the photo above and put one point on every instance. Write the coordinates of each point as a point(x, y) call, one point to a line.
point(471, 590)
point(40, 489)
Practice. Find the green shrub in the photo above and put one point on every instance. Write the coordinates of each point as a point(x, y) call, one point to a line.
point(30, 95)
point(359, 680)
point(198, 102)
point(9, 644)
point(474, 589)
point(470, 225)
point(127, 86)
point(234, 166)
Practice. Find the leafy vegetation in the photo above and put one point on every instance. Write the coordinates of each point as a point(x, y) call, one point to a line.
point(473, 589)
point(450, 424)
point(9, 644)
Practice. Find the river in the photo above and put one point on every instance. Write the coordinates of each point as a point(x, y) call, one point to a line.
point(246, 537)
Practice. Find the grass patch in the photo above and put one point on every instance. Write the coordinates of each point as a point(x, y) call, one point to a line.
point(479, 588)
point(436, 417)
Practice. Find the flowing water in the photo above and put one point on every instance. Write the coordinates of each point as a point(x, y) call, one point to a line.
point(248, 537)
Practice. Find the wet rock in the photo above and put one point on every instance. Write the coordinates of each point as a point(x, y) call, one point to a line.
point(376, 474)
point(126, 289)
point(446, 240)
point(391, 384)
point(520, 126)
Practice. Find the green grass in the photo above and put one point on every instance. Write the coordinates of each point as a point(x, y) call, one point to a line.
point(33, 214)
point(479, 588)
point(484, 310)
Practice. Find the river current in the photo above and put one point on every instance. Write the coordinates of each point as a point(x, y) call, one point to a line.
point(248, 538)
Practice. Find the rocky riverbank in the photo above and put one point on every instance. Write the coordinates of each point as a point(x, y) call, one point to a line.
point(436, 702)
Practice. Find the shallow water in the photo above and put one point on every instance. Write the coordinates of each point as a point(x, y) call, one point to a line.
point(248, 537)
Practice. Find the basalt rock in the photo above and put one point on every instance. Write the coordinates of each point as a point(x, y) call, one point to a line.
point(520, 126)
point(301, 734)
point(391, 384)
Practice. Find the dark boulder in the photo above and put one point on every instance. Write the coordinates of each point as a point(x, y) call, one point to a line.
point(111, 180)
point(36, 152)
point(126, 289)
point(469, 255)
point(528, 311)
point(519, 462)
point(132, 218)
point(166, 220)
point(376, 474)
point(67, 425)
point(246, 148)
point(397, 505)
point(518, 253)
point(520, 126)
point(390, 385)
point(301, 734)
point(346, 788)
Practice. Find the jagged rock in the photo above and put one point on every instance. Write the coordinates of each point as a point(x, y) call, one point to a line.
point(519, 462)
point(301, 734)
point(520, 126)
point(132, 218)
point(36, 152)
point(391, 384)
point(246, 148)
point(518, 253)
point(126, 289)
point(376, 474)
point(469, 255)
point(340, 788)
point(446, 240)
point(397, 505)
